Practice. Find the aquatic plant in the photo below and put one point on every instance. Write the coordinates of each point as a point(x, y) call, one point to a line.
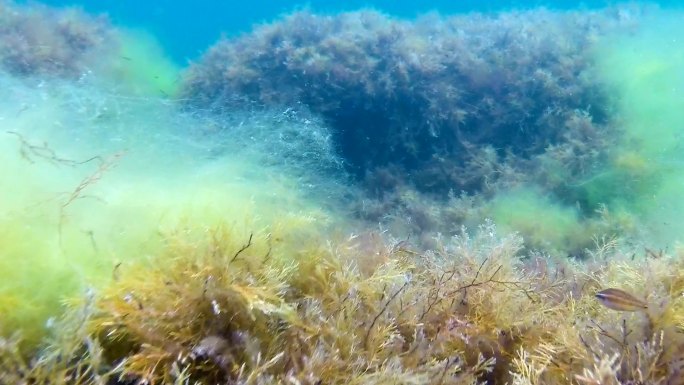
point(432, 111)
point(91, 176)
point(43, 42)
point(415, 100)
point(208, 260)
point(38, 40)
point(601, 163)
point(242, 309)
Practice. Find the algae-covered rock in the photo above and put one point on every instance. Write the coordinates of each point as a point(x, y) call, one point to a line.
point(416, 99)
point(39, 40)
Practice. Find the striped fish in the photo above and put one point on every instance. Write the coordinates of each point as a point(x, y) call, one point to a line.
point(620, 300)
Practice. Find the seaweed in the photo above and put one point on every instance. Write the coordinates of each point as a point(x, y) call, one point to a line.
point(38, 40)
point(439, 118)
point(276, 301)
point(418, 99)
point(471, 311)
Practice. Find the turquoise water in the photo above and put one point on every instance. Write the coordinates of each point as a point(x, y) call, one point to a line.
point(187, 28)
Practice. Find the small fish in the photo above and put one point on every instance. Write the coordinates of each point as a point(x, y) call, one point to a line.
point(619, 300)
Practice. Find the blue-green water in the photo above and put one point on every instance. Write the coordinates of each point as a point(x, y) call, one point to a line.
point(187, 28)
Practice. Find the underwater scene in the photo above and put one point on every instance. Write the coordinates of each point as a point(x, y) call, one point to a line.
point(341, 193)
